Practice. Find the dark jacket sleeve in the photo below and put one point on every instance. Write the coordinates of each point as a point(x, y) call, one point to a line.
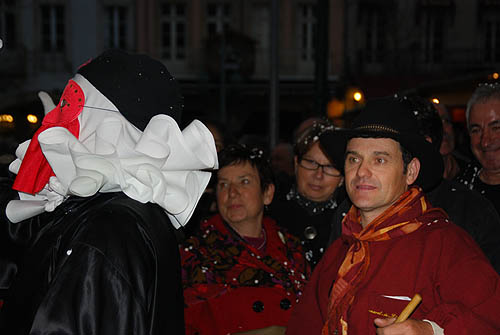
point(473, 213)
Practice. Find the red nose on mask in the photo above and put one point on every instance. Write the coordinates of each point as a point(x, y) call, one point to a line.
point(35, 171)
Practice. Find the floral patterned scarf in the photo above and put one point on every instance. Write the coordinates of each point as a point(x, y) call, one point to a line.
point(405, 216)
point(218, 260)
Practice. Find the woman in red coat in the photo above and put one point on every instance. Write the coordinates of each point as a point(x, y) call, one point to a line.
point(241, 272)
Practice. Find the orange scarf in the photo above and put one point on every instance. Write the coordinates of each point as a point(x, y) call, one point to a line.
point(403, 217)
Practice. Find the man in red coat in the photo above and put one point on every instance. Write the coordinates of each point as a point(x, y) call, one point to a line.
point(394, 244)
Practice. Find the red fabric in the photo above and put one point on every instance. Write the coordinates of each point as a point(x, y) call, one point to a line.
point(460, 289)
point(35, 171)
point(233, 312)
point(223, 277)
point(397, 220)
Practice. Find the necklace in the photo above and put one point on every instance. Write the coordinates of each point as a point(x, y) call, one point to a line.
point(264, 240)
point(258, 243)
point(312, 207)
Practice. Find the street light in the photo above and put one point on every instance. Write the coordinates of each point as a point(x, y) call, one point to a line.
point(32, 118)
point(357, 96)
point(6, 118)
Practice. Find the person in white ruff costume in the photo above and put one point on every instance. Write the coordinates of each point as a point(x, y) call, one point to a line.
point(101, 186)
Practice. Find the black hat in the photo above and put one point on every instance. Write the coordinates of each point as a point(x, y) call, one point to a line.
point(138, 85)
point(389, 117)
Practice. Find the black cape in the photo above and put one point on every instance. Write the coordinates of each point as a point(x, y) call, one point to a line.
point(106, 264)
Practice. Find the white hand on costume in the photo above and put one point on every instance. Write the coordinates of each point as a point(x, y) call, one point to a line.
point(47, 102)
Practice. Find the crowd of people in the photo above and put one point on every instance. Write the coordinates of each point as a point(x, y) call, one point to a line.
point(119, 222)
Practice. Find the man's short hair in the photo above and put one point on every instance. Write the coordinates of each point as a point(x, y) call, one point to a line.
point(483, 93)
point(407, 157)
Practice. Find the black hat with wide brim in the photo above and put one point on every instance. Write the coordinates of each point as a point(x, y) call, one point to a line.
point(391, 118)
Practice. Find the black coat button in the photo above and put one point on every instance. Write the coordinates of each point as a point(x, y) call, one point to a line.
point(258, 306)
point(285, 304)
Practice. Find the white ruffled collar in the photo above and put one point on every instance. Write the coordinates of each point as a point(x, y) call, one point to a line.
point(160, 165)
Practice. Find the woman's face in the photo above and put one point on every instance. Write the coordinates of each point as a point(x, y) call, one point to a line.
point(315, 185)
point(240, 197)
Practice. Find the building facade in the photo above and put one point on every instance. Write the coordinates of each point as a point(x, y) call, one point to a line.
point(220, 50)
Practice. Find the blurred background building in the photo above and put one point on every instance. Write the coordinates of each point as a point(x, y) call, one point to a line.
point(257, 66)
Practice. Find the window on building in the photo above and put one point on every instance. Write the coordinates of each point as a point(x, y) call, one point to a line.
point(492, 40)
point(307, 31)
point(173, 31)
point(375, 33)
point(8, 23)
point(53, 27)
point(218, 17)
point(433, 21)
point(116, 27)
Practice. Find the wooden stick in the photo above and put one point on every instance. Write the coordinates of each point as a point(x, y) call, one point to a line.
point(409, 308)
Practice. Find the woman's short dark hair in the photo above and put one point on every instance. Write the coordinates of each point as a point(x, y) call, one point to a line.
point(240, 154)
point(310, 136)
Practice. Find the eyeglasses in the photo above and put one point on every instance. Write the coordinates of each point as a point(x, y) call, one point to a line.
point(328, 169)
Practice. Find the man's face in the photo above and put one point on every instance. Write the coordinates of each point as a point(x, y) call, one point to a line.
point(374, 174)
point(448, 144)
point(484, 131)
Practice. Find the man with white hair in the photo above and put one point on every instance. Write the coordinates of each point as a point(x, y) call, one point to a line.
point(483, 123)
point(100, 185)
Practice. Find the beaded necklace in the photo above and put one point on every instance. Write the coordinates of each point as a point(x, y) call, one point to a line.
point(312, 207)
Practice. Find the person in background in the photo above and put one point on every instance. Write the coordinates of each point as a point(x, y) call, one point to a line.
point(217, 132)
point(283, 166)
point(483, 123)
point(467, 209)
point(394, 243)
point(241, 273)
point(207, 206)
point(454, 161)
point(304, 125)
point(307, 209)
point(101, 186)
